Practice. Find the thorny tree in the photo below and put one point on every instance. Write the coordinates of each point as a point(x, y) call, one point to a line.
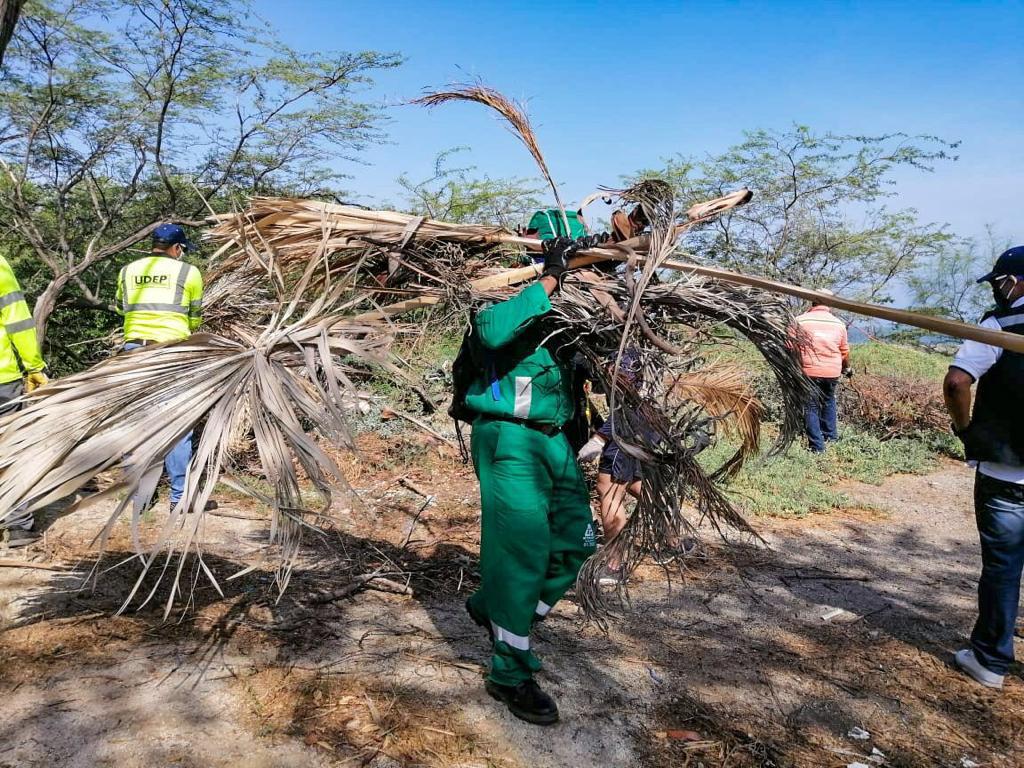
point(818, 216)
point(455, 194)
point(945, 285)
point(118, 114)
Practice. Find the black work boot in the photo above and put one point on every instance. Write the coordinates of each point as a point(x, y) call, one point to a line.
point(526, 701)
point(479, 620)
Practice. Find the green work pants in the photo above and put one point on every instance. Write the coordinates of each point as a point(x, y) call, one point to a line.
point(536, 531)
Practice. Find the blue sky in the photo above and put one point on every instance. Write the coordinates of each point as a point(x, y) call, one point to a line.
point(613, 87)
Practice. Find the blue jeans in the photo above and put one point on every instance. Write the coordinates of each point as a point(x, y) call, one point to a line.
point(820, 416)
point(177, 461)
point(999, 512)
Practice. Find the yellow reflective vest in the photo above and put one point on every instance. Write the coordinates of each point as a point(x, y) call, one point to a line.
point(19, 348)
point(161, 299)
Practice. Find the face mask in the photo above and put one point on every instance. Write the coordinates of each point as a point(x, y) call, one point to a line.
point(997, 296)
point(1002, 302)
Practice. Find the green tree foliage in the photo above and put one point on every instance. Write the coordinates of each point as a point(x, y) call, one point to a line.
point(945, 284)
point(818, 216)
point(458, 195)
point(116, 115)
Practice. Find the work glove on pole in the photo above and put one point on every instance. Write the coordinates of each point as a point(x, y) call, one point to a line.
point(35, 380)
point(559, 251)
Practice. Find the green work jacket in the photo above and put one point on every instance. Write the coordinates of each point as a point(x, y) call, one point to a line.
point(161, 299)
point(19, 348)
point(521, 378)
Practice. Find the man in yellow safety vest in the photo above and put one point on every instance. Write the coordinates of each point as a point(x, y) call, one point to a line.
point(161, 298)
point(19, 359)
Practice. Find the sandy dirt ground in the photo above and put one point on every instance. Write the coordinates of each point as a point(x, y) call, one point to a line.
point(743, 656)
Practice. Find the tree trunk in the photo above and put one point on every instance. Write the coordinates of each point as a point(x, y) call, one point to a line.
point(47, 302)
point(9, 10)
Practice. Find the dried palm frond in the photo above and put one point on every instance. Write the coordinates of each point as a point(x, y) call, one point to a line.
point(381, 255)
point(281, 237)
point(242, 271)
point(677, 402)
point(725, 393)
point(302, 296)
point(514, 115)
point(129, 412)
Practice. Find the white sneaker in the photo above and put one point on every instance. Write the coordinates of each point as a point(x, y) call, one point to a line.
point(610, 577)
point(969, 663)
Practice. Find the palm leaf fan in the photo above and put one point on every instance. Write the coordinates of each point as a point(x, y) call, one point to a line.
point(128, 412)
point(725, 393)
point(513, 114)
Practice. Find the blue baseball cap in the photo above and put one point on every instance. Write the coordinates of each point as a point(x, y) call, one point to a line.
point(172, 234)
point(1010, 262)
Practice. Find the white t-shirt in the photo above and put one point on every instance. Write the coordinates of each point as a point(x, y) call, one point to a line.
point(976, 358)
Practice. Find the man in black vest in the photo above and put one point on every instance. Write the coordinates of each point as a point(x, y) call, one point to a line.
point(993, 438)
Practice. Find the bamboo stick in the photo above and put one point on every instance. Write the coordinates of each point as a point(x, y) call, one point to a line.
point(1011, 341)
point(945, 326)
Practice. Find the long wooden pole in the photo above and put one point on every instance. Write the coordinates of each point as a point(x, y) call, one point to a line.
point(945, 326)
point(696, 214)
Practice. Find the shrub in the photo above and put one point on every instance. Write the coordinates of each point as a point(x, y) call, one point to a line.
point(893, 406)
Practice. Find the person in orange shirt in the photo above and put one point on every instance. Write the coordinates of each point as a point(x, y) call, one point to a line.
point(825, 356)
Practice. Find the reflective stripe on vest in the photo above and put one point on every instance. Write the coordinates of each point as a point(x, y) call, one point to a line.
point(21, 325)
point(1008, 321)
point(10, 298)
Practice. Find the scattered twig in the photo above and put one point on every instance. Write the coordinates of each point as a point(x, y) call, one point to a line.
point(827, 577)
point(8, 563)
point(387, 413)
point(872, 613)
point(219, 513)
point(406, 482)
point(379, 582)
point(416, 519)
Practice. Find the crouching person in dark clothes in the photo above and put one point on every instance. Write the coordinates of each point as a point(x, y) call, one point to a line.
point(993, 438)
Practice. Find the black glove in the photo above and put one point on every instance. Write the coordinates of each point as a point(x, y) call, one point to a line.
point(700, 438)
point(974, 443)
point(557, 253)
point(593, 241)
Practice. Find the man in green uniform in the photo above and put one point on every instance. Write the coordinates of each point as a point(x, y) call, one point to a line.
point(161, 298)
point(537, 527)
point(19, 359)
